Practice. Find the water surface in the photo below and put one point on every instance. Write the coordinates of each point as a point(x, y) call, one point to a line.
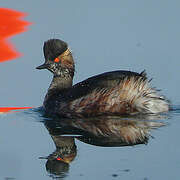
point(33, 146)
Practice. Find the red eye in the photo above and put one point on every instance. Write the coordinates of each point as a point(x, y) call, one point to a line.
point(59, 159)
point(56, 60)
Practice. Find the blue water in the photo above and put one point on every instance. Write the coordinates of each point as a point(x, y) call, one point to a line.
point(26, 146)
point(103, 36)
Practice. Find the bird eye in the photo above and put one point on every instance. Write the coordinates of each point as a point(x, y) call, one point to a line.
point(59, 159)
point(56, 60)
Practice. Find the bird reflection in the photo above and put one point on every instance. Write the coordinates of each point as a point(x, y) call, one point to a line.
point(100, 131)
point(58, 161)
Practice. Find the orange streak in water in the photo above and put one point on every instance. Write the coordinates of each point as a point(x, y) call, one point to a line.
point(10, 24)
point(8, 109)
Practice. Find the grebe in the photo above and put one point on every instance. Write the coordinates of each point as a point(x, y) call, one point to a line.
point(110, 93)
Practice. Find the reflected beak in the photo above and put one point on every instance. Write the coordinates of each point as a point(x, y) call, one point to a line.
point(43, 66)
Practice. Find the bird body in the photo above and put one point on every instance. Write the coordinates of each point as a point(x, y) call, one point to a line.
point(110, 93)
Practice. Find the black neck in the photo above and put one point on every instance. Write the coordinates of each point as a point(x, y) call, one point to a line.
point(57, 87)
point(60, 83)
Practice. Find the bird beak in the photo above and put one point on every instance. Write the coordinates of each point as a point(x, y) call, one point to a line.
point(43, 66)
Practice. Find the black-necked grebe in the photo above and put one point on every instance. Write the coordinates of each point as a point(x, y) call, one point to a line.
point(110, 93)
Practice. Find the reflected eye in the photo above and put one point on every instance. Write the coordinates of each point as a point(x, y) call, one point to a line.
point(56, 60)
